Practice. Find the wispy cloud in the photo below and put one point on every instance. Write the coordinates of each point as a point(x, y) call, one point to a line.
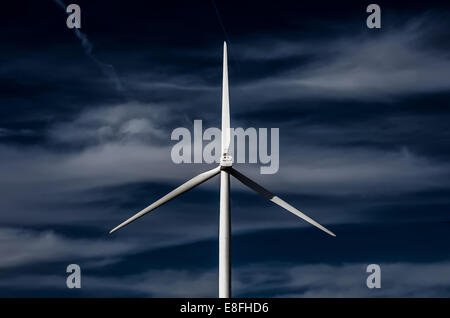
point(24, 247)
point(365, 67)
point(134, 121)
point(276, 280)
point(101, 160)
point(347, 280)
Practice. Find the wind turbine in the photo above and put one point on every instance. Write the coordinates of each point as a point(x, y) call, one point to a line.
point(225, 169)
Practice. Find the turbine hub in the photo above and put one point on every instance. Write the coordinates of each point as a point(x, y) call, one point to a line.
point(226, 160)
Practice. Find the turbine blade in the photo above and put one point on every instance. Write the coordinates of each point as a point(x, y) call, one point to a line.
point(269, 195)
point(171, 195)
point(225, 104)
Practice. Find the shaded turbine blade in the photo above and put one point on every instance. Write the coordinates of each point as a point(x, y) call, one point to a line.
point(171, 195)
point(269, 195)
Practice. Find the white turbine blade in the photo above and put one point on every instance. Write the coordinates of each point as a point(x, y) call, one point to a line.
point(266, 193)
point(171, 195)
point(225, 104)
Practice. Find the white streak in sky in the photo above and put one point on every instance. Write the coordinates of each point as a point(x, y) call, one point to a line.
point(107, 69)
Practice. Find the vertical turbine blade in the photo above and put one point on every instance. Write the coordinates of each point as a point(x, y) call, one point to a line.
point(225, 104)
point(188, 185)
point(272, 197)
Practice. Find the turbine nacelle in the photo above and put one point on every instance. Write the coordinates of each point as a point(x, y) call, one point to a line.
point(226, 160)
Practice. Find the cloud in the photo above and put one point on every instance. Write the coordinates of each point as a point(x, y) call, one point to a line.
point(276, 280)
point(20, 247)
point(126, 145)
point(5, 132)
point(392, 64)
point(362, 170)
point(146, 123)
point(130, 142)
point(94, 160)
point(346, 280)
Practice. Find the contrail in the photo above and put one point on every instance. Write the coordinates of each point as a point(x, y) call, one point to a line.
point(219, 18)
point(220, 21)
point(107, 69)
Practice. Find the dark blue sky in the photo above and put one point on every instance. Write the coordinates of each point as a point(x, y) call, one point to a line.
point(85, 143)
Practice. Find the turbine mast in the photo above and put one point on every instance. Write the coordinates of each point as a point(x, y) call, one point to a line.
point(225, 164)
point(224, 236)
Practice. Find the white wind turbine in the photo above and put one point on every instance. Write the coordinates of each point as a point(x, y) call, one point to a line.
point(225, 169)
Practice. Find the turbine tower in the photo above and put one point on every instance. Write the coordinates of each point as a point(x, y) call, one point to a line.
point(225, 169)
